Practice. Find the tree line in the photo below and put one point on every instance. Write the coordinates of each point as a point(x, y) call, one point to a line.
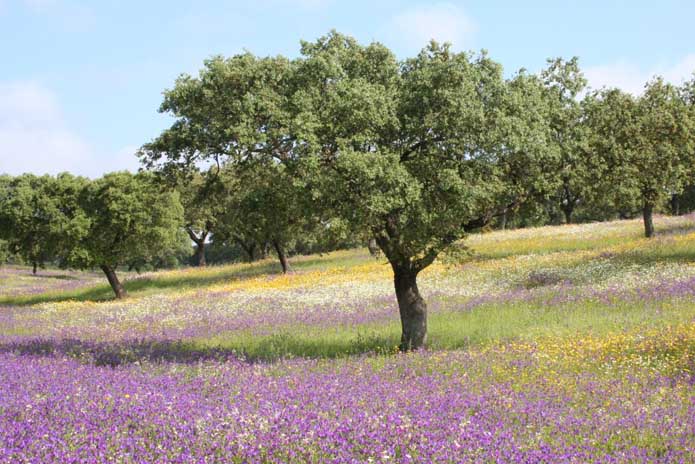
point(347, 144)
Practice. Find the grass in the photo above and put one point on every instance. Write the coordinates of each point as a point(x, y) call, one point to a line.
point(152, 283)
point(483, 326)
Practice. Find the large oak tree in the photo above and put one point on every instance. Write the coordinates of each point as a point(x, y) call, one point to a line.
point(414, 153)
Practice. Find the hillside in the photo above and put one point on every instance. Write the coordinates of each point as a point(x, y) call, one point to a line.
point(557, 344)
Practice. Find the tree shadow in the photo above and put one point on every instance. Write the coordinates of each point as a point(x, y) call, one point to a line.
point(55, 276)
point(266, 349)
point(117, 353)
point(188, 278)
point(140, 285)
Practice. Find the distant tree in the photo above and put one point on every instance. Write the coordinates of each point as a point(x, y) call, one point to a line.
point(265, 205)
point(246, 97)
point(38, 213)
point(646, 143)
point(685, 201)
point(131, 220)
point(564, 82)
point(203, 197)
point(5, 230)
point(415, 154)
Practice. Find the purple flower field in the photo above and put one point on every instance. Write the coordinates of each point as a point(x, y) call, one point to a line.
point(443, 407)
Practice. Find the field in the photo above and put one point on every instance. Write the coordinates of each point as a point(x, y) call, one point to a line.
point(558, 344)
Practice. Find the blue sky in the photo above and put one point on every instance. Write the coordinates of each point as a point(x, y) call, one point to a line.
point(80, 82)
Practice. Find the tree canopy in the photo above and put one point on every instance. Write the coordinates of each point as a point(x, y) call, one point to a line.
point(346, 143)
point(416, 153)
point(646, 143)
point(130, 221)
point(40, 216)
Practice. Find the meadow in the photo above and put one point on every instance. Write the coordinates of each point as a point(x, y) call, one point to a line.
point(572, 343)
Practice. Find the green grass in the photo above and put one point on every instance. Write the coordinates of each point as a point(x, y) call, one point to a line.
point(485, 325)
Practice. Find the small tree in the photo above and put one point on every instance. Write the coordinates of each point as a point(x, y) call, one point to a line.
point(131, 221)
point(202, 196)
point(564, 82)
point(37, 214)
point(266, 204)
point(645, 142)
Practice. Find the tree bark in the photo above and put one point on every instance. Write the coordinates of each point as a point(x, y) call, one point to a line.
point(249, 249)
point(116, 285)
point(648, 220)
point(568, 202)
point(200, 254)
point(503, 220)
point(412, 308)
point(373, 247)
point(281, 255)
point(675, 205)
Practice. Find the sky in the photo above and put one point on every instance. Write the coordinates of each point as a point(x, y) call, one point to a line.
point(81, 82)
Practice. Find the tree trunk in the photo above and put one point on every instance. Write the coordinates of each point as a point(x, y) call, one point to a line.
point(567, 210)
point(675, 205)
point(281, 255)
point(113, 281)
point(412, 308)
point(503, 220)
point(200, 254)
point(249, 249)
point(34, 268)
point(373, 247)
point(648, 220)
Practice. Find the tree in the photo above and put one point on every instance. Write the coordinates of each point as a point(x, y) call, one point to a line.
point(265, 205)
point(237, 110)
point(564, 82)
point(415, 154)
point(421, 153)
point(131, 221)
point(646, 143)
point(202, 196)
point(5, 230)
point(37, 214)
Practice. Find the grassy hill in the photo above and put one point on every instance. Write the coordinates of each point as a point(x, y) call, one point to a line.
point(556, 344)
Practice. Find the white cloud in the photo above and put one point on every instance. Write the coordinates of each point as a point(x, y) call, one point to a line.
point(34, 137)
point(631, 78)
point(444, 22)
